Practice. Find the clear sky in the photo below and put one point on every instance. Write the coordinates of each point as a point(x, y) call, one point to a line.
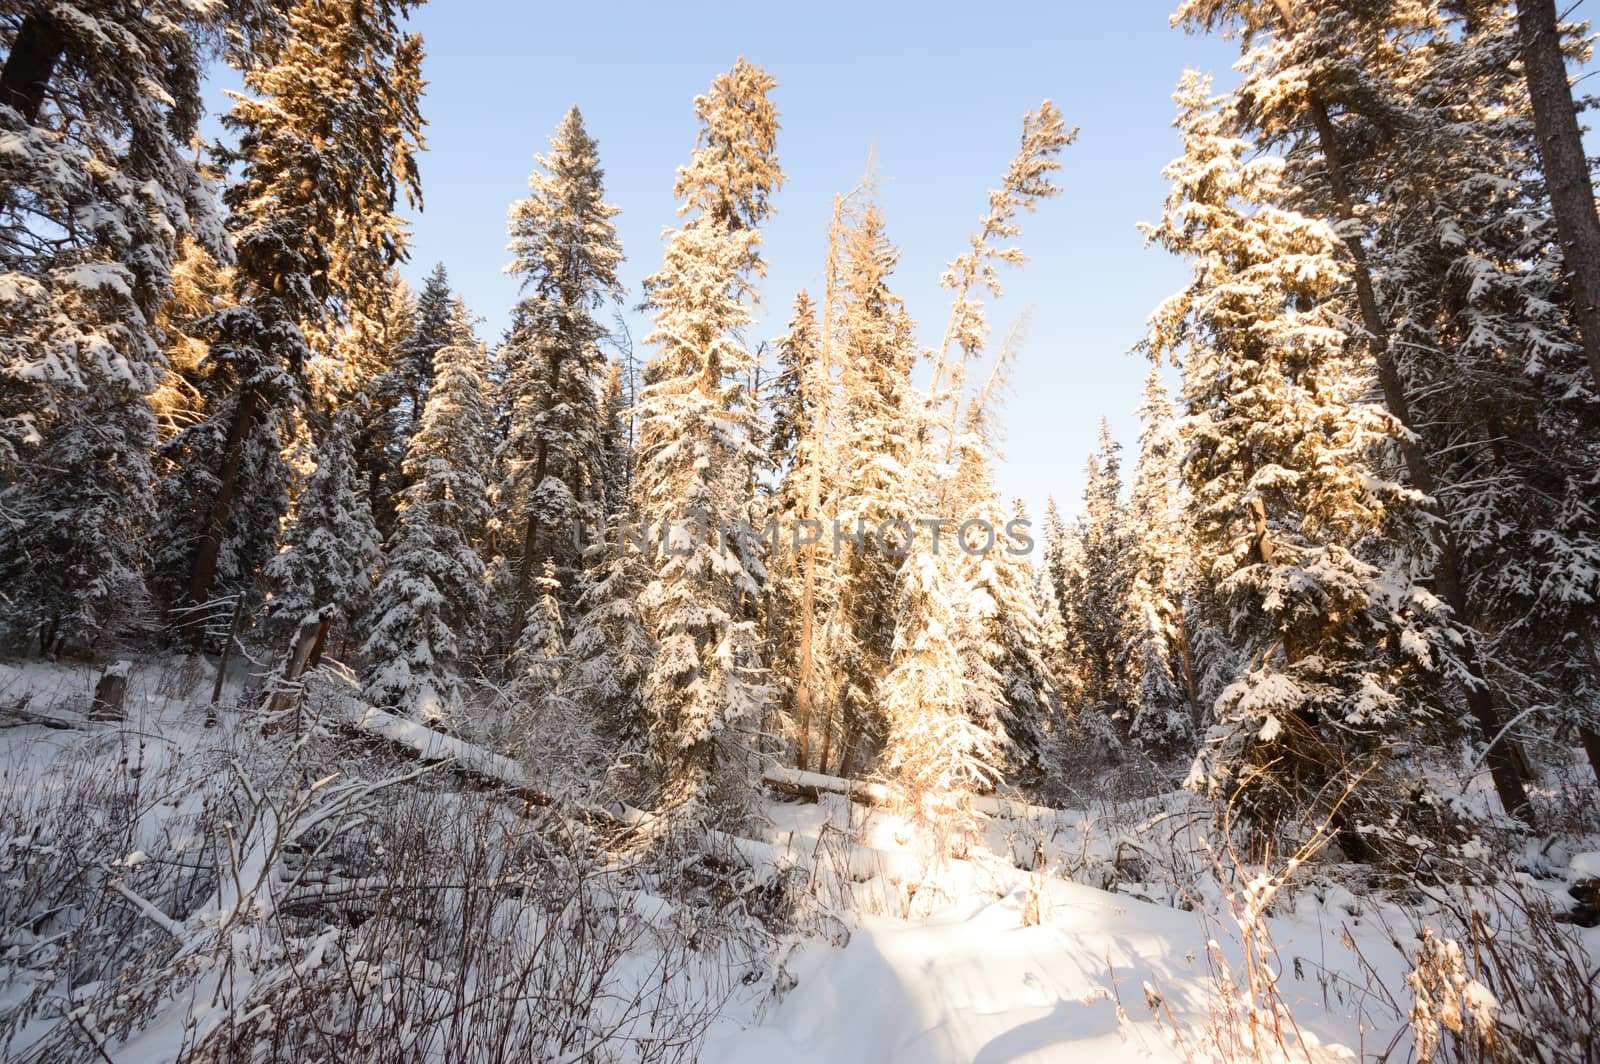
point(934, 91)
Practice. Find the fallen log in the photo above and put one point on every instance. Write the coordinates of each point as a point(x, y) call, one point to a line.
point(484, 768)
point(812, 785)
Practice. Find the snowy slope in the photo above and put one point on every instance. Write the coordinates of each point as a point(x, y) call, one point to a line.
point(981, 987)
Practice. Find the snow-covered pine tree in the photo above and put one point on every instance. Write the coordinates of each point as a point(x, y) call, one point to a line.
point(697, 423)
point(942, 698)
point(565, 254)
point(800, 588)
point(427, 616)
point(1488, 349)
point(381, 327)
point(1028, 180)
point(1057, 644)
point(878, 423)
point(1322, 80)
point(97, 104)
point(330, 551)
point(74, 528)
point(432, 326)
point(1054, 563)
point(1289, 505)
point(1164, 721)
point(327, 136)
point(998, 582)
point(1098, 589)
point(612, 649)
point(1565, 165)
point(945, 739)
point(792, 400)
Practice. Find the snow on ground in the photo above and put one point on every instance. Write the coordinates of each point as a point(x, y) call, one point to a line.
point(1097, 977)
point(1011, 954)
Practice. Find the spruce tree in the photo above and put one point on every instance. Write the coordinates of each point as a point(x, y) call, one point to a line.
point(432, 327)
point(1098, 590)
point(800, 589)
point(98, 196)
point(1017, 645)
point(942, 698)
point(1164, 720)
point(1291, 510)
point(1325, 79)
point(327, 135)
point(428, 611)
point(611, 649)
point(565, 255)
point(697, 426)
point(330, 551)
point(873, 501)
point(98, 103)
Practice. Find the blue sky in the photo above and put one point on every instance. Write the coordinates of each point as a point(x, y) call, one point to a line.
point(936, 91)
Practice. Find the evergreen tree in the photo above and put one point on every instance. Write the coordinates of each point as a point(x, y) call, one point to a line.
point(373, 347)
point(73, 531)
point(566, 255)
point(428, 613)
point(945, 740)
point(1324, 80)
point(611, 649)
point(327, 136)
point(98, 102)
point(1057, 544)
point(999, 583)
point(1291, 511)
point(433, 326)
point(330, 549)
point(800, 588)
point(1487, 345)
point(697, 424)
point(1098, 591)
point(878, 422)
point(1165, 717)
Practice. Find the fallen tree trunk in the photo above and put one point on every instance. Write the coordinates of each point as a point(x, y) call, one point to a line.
point(481, 767)
point(813, 785)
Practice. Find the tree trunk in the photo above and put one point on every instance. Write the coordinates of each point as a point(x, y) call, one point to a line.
point(286, 691)
point(222, 663)
point(541, 465)
point(804, 684)
point(1566, 168)
point(1188, 669)
point(210, 548)
point(111, 694)
point(317, 645)
point(847, 747)
point(32, 61)
point(1503, 765)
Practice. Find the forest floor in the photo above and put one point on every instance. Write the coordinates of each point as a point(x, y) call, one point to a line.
point(1108, 932)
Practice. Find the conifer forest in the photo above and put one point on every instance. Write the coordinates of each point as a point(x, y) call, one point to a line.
point(669, 675)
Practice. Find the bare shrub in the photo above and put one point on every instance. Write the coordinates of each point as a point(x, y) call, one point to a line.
point(1498, 978)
